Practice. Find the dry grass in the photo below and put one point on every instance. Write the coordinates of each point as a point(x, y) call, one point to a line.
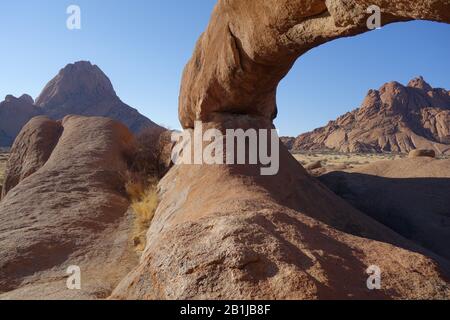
point(144, 202)
point(146, 166)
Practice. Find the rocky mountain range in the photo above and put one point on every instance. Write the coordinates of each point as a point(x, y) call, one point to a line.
point(395, 118)
point(78, 89)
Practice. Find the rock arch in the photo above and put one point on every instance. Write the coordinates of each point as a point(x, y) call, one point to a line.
point(249, 46)
point(225, 232)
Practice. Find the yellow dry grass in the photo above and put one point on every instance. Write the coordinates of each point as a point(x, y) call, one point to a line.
point(144, 202)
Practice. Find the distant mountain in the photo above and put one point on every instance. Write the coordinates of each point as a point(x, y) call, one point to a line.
point(394, 118)
point(80, 89)
point(14, 114)
point(5, 140)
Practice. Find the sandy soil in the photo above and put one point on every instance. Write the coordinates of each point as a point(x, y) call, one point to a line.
point(343, 161)
point(336, 161)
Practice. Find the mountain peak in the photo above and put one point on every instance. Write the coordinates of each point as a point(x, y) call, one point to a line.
point(419, 83)
point(394, 118)
point(76, 79)
point(24, 98)
point(79, 88)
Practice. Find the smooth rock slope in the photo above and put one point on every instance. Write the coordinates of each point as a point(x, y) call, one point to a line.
point(66, 205)
point(225, 232)
point(411, 196)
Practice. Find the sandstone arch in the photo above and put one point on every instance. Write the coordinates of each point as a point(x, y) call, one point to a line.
point(249, 46)
point(225, 232)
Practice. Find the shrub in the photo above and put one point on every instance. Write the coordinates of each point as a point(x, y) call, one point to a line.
point(152, 155)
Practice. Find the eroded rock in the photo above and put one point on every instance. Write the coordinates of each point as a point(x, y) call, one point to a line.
point(422, 153)
point(31, 151)
point(409, 195)
point(395, 118)
point(249, 47)
point(69, 209)
point(225, 232)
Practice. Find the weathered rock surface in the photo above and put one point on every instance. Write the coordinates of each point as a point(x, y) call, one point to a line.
point(31, 151)
point(78, 89)
point(394, 118)
point(250, 46)
point(411, 196)
point(68, 208)
point(288, 142)
point(225, 232)
point(314, 165)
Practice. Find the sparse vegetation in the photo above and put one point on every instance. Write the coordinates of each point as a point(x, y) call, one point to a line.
point(343, 161)
point(346, 161)
point(147, 165)
point(144, 202)
point(152, 153)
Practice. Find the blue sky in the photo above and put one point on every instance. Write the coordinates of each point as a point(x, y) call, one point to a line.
point(143, 45)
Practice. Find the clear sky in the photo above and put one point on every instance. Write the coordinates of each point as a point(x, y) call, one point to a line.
point(143, 45)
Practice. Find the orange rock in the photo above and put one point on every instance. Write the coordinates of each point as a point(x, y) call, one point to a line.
point(225, 232)
point(393, 119)
point(68, 208)
point(422, 153)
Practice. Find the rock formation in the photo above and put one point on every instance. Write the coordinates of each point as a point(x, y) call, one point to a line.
point(410, 196)
point(83, 89)
point(14, 114)
point(78, 89)
point(394, 118)
point(34, 146)
point(288, 142)
point(422, 153)
point(68, 207)
point(226, 232)
point(220, 231)
point(247, 48)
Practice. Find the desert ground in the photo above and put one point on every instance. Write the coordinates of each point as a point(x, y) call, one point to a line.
point(318, 163)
